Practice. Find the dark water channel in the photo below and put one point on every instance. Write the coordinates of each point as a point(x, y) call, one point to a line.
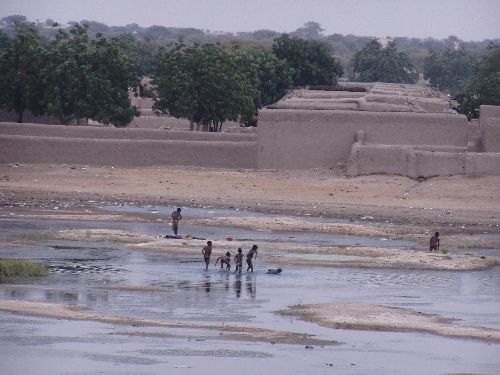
point(108, 277)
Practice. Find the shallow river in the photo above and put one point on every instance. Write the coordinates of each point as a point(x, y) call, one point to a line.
point(102, 275)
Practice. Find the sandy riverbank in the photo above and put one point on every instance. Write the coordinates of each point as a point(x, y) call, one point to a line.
point(456, 203)
point(283, 253)
point(227, 332)
point(386, 318)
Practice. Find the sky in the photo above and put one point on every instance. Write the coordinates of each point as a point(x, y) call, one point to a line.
point(466, 19)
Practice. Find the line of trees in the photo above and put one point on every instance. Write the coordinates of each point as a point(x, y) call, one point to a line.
point(71, 77)
point(211, 84)
point(472, 80)
point(74, 75)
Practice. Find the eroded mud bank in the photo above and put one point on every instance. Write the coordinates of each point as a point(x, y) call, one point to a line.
point(387, 318)
point(229, 332)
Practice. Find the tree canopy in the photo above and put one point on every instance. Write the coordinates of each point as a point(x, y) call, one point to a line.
point(483, 87)
point(373, 63)
point(311, 62)
point(21, 63)
point(89, 79)
point(202, 84)
point(268, 74)
point(449, 70)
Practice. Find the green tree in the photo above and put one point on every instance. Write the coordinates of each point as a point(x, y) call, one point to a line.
point(310, 30)
point(139, 53)
point(483, 86)
point(112, 75)
point(449, 70)
point(89, 79)
point(376, 64)
point(269, 76)
point(202, 84)
point(311, 61)
point(21, 79)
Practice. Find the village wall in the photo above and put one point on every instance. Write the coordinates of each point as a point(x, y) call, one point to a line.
point(412, 162)
point(118, 133)
point(297, 139)
point(59, 144)
point(126, 152)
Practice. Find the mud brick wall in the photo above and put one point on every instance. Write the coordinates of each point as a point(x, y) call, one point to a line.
point(412, 162)
point(296, 139)
point(489, 124)
point(117, 133)
point(30, 143)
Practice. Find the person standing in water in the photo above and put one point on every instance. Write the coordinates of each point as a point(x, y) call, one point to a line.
point(238, 260)
point(207, 251)
point(176, 216)
point(250, 255)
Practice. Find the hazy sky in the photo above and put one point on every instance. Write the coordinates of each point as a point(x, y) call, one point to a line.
point(467, 19)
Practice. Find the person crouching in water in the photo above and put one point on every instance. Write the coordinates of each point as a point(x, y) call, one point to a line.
point(207, 251)
point(434, 242)
point(251, 253)
point(225, 259)
point(238, 260)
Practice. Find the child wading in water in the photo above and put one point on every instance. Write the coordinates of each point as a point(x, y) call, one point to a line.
point(225, 259)
point(251, 253)
point(434, 242)
point(238, 260)
point(207, 251)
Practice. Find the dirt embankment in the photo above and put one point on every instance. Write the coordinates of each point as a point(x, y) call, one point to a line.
point(457, 203)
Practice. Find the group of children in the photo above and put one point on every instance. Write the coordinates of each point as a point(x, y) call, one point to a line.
point(225, 260)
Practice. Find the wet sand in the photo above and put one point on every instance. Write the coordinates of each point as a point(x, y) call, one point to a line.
point(229, 332)
point(287, 253)
point(386, 318)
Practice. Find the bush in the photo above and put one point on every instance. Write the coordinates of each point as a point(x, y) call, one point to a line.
point(20, 268)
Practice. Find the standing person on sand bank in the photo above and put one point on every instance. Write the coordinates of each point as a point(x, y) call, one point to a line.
point(207, 251)
point(176, 216)
point(251, 253)
point(434, 242)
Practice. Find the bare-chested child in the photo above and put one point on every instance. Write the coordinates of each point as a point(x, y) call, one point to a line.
point(238, 260)
point(207, 251)
point(250, 255)
point(434, 242)
point(225, 259)
point(176, 216)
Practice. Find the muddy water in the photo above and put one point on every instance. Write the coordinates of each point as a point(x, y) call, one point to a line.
point(115, 281)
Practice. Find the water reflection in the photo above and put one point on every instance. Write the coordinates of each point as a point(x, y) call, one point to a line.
point(251, 286)
point(207, 284)
point(237, 286)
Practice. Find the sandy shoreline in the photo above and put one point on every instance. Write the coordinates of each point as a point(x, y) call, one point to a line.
point(441, 202)
point(282, 253)
point(227, 332)
point(386, 318)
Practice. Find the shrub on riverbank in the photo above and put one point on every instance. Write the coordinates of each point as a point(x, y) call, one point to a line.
point(20, 268)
